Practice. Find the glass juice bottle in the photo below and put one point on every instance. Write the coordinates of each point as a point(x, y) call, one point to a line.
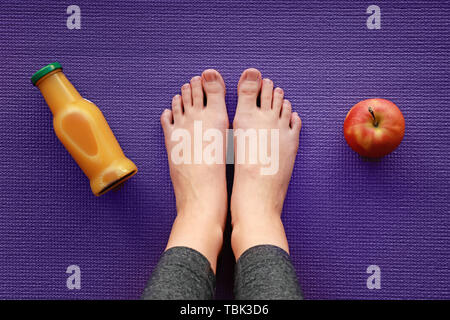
point(81, 127)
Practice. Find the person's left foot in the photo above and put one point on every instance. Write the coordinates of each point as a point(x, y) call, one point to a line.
point(200, 189)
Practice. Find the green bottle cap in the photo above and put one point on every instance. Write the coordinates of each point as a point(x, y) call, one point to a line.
point(45, 70)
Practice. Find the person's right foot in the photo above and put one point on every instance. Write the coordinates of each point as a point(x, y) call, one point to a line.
point(257, 200)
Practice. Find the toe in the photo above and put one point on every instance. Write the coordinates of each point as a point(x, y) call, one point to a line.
point(186, 95)
point(248, 87)
point(177, 109)
point(266, 94)
point(296, 122)
point(278, 95)
point(166, 120)
point(214, 88)
point(197, 92)
point(286, 111)
point(213, 82)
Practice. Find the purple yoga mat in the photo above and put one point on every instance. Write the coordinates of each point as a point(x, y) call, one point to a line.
point(342, 213)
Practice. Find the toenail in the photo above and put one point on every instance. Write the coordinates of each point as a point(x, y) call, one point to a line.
point(196, 79)
point(185, 86)
point(267, 81)
point(252, 75)
point(279, 90)
point(210, 76)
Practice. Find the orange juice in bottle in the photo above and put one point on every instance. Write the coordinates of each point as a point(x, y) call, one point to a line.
point(81, 127)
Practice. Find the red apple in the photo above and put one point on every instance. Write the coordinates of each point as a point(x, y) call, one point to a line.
point(374, 127)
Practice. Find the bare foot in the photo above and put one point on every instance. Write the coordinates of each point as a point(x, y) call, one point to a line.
point(257, 199)
point(200, 188)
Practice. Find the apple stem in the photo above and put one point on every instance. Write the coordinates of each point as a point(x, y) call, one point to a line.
point(375, 122)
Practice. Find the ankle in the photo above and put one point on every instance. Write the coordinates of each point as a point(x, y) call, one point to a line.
point(249, 231)
point(198, 232)
point(205, 213)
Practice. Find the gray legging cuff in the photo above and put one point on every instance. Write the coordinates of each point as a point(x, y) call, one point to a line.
point(265, 272)
point(181, 274)
point(262, 273)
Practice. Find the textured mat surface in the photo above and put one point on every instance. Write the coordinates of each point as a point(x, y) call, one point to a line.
point(342, 213)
